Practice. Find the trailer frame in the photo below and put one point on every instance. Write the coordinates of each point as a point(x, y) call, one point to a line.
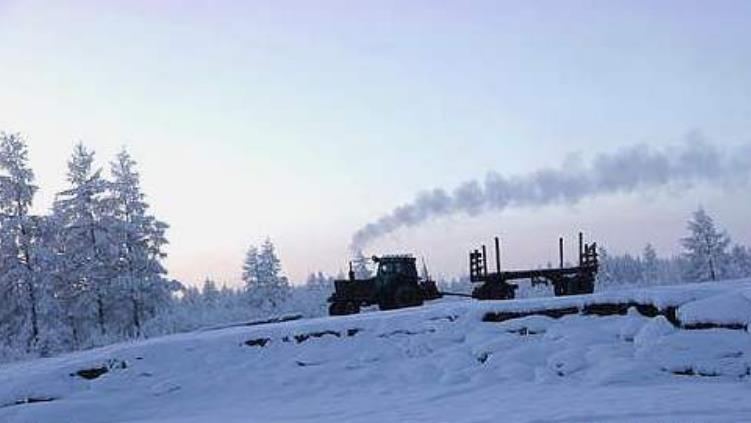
point(566, 280)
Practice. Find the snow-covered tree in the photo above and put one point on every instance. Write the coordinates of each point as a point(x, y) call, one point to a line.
point(617, 271)
point(84, 245)
point(705, 249)
point(26, 292)
point(458, 284)
point(265, 286)
point(250, 277)
point(210, 293)
point(309, 299)
point(56, 333)
point(140, 239)
point(270, 268)
point(651, 266)
point(740, 262)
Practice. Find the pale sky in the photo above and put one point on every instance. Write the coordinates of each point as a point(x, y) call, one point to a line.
point(304, 120)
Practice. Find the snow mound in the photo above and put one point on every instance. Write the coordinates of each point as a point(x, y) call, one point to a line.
point(662, 354)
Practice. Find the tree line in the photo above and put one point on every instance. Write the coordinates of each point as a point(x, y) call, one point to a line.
point(708, 255)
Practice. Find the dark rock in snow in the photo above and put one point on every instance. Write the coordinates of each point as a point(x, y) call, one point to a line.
point(258, 342)
point(93, 373)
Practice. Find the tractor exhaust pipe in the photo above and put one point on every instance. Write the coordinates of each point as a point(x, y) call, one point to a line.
point(497, 255)
point(560, 252)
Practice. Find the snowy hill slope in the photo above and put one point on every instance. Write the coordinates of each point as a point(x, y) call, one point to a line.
point(680, 353)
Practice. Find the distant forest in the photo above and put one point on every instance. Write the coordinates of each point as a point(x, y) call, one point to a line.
point(90, 273)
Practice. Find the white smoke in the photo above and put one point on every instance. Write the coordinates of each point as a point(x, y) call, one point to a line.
point(631, 169)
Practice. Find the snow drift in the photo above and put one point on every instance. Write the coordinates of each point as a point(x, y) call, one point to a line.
point(658, 354)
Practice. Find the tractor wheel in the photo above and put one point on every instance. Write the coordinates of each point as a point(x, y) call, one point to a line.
point(351, 307)
point(343, 308)
point(559, 287)
point(337, 309)
point(407, 296)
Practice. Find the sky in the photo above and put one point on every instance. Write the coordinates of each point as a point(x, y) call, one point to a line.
point(303, 121)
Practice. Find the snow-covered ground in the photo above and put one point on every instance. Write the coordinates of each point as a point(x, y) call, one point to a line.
point(438, 363)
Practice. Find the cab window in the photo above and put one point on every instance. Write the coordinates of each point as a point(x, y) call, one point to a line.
point(387, 268)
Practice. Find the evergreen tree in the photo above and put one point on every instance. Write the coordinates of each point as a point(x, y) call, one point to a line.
point(310, 298)
point(319, 282)
point(312, 280)
point(705, 249)
point(628, 270)
point(266, 288)
point(29, 314)
point(18, 282)
point(316, 281)
point(270, 276)
point(140, 239)
point(618, 271)
point(324, 282)
point(56, 333)
point(210, 293)
point(84, 245)
point(250, 278)
point(740, 259)
point(651, 274)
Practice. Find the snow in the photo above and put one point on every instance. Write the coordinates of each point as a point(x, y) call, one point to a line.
point(729, 309)
point(436, 363)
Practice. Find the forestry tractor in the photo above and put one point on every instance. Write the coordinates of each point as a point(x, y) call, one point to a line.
point(397, 285)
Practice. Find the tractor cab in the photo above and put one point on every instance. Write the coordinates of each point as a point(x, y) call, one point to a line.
point(395, 267)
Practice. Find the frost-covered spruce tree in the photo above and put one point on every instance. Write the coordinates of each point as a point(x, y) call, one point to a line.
point(309, 299)
point(618, 271)
point(210, 294)
point(56, 333)
point(319, 281)
point(629, 270)
point(85, 246)
point(270, 275)
point(705, 249)
point(26, 292)
point(139, 239)
point(250, 278)
point(265, 286)
point(651, 268)
point(740, 261)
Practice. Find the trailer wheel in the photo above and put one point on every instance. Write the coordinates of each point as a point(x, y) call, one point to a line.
point(586, 286)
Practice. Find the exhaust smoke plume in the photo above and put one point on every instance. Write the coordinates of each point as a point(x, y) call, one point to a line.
point(632, 169)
